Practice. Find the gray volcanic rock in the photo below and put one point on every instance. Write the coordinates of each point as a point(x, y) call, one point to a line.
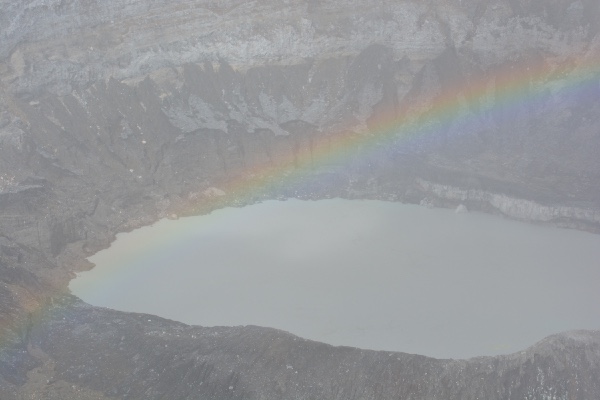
point(115, 114)
point(142, 356)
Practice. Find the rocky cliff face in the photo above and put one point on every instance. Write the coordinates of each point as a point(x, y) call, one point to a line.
point(114, 114)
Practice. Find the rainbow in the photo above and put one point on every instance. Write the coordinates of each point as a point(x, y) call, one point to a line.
point(529, 84)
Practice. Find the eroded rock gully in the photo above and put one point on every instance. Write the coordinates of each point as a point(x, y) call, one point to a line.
point(114, 114)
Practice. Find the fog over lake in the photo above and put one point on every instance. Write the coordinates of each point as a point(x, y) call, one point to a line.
point(371, 274)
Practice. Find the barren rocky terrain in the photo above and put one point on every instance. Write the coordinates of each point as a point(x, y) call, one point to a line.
point(114, 114)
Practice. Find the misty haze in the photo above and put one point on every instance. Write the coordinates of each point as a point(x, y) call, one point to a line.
point(369, 274)
point(255, 200)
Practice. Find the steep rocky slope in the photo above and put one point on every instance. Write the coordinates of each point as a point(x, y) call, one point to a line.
point(114, 114)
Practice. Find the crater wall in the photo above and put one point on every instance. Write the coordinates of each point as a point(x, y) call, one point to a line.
point(113, 115)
